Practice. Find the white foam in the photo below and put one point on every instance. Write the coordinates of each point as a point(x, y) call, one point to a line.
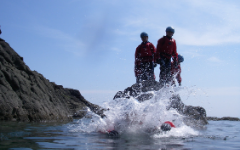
point(182, 131)
point(129, 115)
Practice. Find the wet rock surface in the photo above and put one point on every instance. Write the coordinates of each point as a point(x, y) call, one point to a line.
point(142, 92)
point(137, 91)
point(26, 95)
point(194, 115)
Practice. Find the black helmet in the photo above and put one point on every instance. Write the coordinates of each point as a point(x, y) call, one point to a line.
point(180, 58)
point(143, 34)
point(170, 29)
point(166, 127)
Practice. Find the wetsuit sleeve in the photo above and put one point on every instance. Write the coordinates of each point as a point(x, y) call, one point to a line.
point(159, 47)
point(136, 60)
point(179, 79)
point(175, 54)
point(136, 55)
point(153, 49)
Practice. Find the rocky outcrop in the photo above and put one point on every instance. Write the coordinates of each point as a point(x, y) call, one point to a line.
point(193, 114)
point(223, 118)
point(138, 91)
point(26, 95)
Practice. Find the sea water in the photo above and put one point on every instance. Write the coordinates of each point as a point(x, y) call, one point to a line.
point(223, 135)
point(138, 125)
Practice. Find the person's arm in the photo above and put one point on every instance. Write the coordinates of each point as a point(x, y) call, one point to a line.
point(136, 61)
point(153, 50)
point(179, 79)
point(137, 55)
point(175, 54)
point(159, 47)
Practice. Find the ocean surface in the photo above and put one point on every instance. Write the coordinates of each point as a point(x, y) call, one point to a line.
point(138, 125)
point(223, 135)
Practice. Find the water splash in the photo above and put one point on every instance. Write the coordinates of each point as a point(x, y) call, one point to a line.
point(131, 116)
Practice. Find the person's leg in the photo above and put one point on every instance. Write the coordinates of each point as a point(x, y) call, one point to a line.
point(138, 79)
point(145, 71)
point(141, 73)
point(151, 72)
point(168, 70)
point(162, 76)
point(138, 73)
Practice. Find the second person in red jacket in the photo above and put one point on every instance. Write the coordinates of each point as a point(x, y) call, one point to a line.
point(166, 49)
point(144, 60)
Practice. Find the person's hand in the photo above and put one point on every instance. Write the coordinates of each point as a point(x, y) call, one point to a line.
point(158, 61)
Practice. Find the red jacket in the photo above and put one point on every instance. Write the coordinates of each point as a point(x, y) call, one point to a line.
point(166, 48)
point(176, 72)
point(145, 52)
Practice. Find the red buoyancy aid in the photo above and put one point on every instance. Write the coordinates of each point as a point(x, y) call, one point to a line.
point(167, 48)
point(145, 53)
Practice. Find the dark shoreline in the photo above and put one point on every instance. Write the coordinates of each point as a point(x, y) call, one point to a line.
point(223, 118)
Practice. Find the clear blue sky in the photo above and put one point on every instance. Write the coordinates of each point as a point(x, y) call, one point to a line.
point(89, 45)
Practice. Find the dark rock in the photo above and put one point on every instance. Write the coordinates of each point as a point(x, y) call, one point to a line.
point(26, 95)
point(193, 115)
point(136, 91)
point(223, 118)
point(113, 133)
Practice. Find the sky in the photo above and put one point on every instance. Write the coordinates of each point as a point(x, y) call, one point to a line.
point(89, 45)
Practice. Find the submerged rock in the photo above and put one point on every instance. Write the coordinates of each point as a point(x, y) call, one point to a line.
point(26, 95)
point(142, 92)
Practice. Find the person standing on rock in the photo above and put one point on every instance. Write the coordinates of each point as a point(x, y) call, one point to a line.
point(176, 71)
point(166, 49)
point(144, 60)
point(0, 30)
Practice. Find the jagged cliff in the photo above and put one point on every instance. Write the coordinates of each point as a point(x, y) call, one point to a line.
point(26, 95)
